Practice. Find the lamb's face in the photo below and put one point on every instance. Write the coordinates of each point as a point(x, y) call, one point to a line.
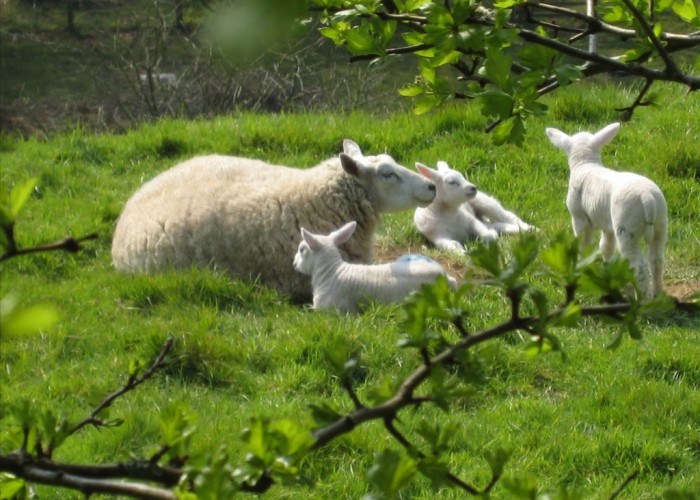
point(583, 147)
point(303, 260)
point(395, 187)
point(455, 189)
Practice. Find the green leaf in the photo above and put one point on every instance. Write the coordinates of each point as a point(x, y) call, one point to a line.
point(488, 257)
point(521, 487)
point(496, 103)
point(497, 459)
point(411, 90)
point(177, 424)
point(426, 103)
point(391, 472)
point(5, 217)
point(324, 414)
point(333, 34)
point(16, 321)
point(12, 487)
point(436, 471)
point(497, 67)
point(19, 195)
point(510, 130)
point(567, 73)
point(359, 40)
point(688, 11)
point(507, 4)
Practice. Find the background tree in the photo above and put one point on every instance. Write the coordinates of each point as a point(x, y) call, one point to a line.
point(507, 54)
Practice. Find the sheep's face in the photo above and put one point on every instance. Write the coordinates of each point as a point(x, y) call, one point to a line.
point(453, 188)
point(392, 187)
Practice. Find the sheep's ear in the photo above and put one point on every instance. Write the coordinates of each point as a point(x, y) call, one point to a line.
point(343, 234)
point(606, 134)
point(351, 165)
point(558, 138)
point(443, 167)
point(310, 239)
point(428, 172)
point(351, 148)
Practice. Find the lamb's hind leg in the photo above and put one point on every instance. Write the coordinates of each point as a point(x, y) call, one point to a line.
point(656, 261)
point(504, 227)
point(607, 245)
point(631, 250)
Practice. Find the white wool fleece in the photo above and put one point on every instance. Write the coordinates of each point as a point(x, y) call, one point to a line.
point(346, 286)
point(460, 212)
point(626, 207)
point(243, 216)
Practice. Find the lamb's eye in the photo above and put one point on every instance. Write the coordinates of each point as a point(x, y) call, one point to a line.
point(453, 183)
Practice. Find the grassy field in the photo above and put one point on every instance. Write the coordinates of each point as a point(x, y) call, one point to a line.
point(583, 423)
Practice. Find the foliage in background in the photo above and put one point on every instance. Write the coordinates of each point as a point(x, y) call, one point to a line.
point(507, 54)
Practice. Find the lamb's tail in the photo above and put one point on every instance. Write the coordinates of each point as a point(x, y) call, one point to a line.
point(654, 211)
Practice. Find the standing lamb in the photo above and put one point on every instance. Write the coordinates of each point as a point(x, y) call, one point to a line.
point(459, 211)
point(625, 206)
point(347, 286)
point(243, 216)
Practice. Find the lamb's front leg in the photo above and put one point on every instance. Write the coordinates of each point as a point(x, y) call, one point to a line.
point(449, 245)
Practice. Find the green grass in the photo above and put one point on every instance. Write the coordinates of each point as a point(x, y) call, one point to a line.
point(583, 423)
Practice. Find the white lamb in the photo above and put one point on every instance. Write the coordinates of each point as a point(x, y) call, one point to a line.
point(459, 212)
point(347, 286)
point(243, 216)
point(625, 206)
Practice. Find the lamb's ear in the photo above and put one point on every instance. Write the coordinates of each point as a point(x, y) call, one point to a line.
point(606, 134)
point(443, 167)
point(343, 234)
point(428, 172)
point(558, 138)
point(351, 148)
point(310, 239)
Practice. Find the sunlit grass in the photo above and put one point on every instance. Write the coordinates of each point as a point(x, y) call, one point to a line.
point(584, 422)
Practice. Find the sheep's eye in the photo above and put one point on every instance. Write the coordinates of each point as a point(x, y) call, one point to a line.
point(389, 174)
point(453, 183)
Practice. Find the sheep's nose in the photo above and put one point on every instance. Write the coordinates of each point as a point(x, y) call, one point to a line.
point(472, 191)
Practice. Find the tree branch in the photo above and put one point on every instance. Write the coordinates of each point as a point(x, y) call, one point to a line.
point(131, 384)
point(671, 67)
point(69, 244)
point(55, 476)
point(629, 110)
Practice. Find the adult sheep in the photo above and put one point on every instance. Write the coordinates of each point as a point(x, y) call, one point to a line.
point(243, 216)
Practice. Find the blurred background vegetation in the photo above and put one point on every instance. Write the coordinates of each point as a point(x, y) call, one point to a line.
point(110, 64)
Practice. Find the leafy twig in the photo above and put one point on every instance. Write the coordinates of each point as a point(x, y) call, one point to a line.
point(131, 384)
point(629, 110)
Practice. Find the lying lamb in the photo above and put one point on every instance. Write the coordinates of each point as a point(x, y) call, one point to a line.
point(625, 206)
point(244, 216)
point(347, 286)
point(460, 211)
